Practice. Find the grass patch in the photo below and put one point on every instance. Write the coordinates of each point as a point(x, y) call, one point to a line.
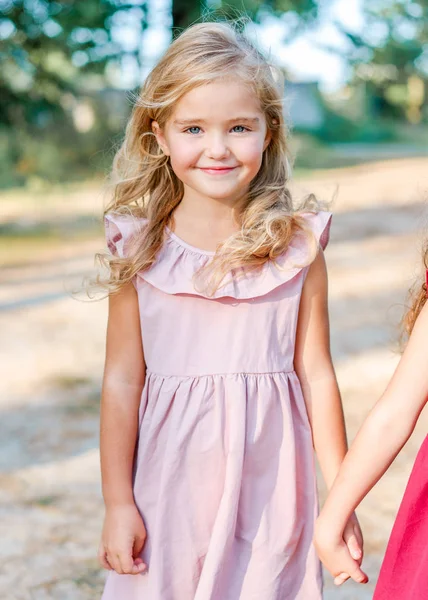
point(77, 226)
point(19, 248)
point(69, 382)
point(44, 501)
point(45, 192)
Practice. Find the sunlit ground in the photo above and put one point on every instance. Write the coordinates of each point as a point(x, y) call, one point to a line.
point(52, 347)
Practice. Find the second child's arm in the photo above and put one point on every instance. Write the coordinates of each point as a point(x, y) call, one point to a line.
point(383, 434)
point(123, 533)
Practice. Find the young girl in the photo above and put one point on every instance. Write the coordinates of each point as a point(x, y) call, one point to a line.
point(218, 378)
point(404, 573)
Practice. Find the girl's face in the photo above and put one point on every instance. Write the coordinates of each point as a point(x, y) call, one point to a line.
point(215, 139)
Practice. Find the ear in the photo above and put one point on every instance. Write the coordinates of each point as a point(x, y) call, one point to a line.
point(268, 138)
point(160, 137)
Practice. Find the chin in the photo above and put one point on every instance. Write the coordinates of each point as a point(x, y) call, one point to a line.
point(225, 196)
point(222, 193)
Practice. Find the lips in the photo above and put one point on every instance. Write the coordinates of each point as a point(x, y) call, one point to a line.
point(217, 170)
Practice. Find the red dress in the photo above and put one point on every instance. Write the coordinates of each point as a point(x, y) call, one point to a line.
point(404, 572)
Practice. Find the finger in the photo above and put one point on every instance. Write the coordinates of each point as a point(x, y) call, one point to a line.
point(114, 561)
point(358, 575)
point(139, 569)
point(138, 546)
point(353, 545)
point(126, 562)
point(102, 559)
point(359, 536)
point(341, 578)
point(129, 566)
point(140, 564)
point(351, 567)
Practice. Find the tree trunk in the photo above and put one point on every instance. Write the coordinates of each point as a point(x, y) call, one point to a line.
point(186, 12)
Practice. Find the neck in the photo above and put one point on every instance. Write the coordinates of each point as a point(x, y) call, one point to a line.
point(204, 209)
point(206, 222)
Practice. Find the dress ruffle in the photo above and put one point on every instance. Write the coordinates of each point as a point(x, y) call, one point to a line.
point(178, 263)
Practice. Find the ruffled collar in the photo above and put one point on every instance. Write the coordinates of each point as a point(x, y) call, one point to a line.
point(178, 262)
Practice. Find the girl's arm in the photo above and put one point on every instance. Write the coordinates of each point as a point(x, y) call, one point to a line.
point(315, 369)
point(383, 434)
point(123, 534)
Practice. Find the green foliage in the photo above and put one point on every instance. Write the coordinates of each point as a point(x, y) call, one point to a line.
point(53, 55)
point(338, 129)
point(47, 46)
point(185, 13)
point(58, 152)
point(296, 14)
point(391, 50)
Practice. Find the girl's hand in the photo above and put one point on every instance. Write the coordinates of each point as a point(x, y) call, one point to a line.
point(353, 537)
point(334, 550)
point(122, 540)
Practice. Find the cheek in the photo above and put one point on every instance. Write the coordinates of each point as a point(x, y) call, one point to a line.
point(183, 153)
point(250, 152)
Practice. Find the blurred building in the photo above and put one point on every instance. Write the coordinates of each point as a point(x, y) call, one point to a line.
point(304, 106)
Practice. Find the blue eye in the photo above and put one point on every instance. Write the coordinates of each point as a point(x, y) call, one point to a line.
point(193, 130)
point(240, 127)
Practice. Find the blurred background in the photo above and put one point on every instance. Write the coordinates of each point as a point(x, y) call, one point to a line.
point(356, 99)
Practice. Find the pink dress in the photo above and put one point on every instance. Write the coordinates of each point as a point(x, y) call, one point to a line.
point(224, 472)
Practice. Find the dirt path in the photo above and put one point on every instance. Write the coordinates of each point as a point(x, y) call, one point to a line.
point(51, 351)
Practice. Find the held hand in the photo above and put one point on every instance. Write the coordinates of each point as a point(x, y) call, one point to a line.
point(335, 554)
point(353, 538)
point(122, 541)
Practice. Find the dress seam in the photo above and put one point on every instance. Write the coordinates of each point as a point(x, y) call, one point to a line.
point(227, 374)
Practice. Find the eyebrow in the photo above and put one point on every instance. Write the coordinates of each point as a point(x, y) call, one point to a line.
point(253, 120)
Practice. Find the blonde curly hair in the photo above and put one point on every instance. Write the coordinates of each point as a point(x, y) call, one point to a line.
point(418, 297)
point(145, 184)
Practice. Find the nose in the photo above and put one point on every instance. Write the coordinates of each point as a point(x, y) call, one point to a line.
point(217, 147)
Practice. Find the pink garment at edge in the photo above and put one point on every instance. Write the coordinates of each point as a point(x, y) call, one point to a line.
point(224, 471)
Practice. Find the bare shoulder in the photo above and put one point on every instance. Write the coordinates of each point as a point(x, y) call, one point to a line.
point(416, 346)
point(312, 351)
point(316, 278)
point(408, 388)
point(422, 320)
point(123, 308)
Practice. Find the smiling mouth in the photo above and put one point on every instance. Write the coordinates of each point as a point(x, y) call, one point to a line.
point(217, 170)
